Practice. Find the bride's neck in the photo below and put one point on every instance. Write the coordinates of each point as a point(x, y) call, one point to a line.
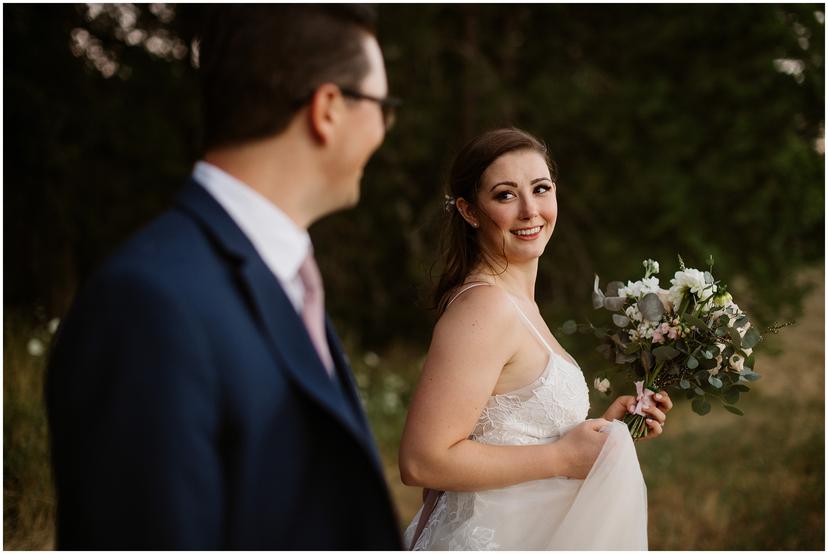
point(517, 279)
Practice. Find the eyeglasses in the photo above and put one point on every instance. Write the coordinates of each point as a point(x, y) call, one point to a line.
point(388, 105)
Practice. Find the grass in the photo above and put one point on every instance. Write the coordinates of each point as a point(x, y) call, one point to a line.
point(725, 482)
point(715, 482)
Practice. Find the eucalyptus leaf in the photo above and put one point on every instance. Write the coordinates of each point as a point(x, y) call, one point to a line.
point(715, 381)
point(733, 410)
point(731, 396)
point(692, 362)
point(751, 376)
point(569, 327)
point(740, 388)
point(751, 338)
point(698, 391)
point(613, 287)
point(614, 303)
point(684, 383)
point(701, 406)
point(620, 320)
point(707, 354)
point(650, 307)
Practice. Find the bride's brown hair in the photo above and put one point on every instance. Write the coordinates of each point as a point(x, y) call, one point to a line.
point(460, 248)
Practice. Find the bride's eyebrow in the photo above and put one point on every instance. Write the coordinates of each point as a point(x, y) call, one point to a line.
point(508, 183)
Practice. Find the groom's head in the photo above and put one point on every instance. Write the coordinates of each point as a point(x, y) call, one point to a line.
point(260, 64)
point(313, 69)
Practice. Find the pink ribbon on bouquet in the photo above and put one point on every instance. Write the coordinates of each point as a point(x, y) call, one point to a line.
point(642, 395)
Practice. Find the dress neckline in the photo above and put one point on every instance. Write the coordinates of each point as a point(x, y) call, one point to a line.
point(547, 367)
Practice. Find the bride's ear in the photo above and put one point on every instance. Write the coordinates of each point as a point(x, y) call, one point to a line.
point(467, 212)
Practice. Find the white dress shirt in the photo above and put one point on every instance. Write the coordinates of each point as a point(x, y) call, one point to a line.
point(281, 243)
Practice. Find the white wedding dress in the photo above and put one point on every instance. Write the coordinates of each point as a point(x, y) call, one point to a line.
point(605, 511)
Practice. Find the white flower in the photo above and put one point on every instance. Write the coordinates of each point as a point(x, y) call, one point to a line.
point(602, 385)
point(650, 267)
point(737, 362)
point(633, 312)
point(53, 325)
point(640, 288)
point(35, 347)
point(691, 280)
point(371, 359)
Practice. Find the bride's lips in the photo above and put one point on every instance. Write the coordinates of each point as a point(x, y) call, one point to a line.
point(527, 233)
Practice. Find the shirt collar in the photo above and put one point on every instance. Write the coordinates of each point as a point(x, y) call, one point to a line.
point(281, 243)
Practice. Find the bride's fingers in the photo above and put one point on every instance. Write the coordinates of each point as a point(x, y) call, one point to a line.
point(664, 401)
point(659, 416)
point(656, 428)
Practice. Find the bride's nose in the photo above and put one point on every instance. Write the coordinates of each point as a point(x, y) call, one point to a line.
point(528, 208)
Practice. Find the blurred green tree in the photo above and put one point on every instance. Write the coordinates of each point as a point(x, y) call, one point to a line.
point(693, 129)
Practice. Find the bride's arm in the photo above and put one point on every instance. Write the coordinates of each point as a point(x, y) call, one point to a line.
point(472, 343)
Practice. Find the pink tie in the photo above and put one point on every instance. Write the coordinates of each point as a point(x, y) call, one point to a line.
point(313, 310)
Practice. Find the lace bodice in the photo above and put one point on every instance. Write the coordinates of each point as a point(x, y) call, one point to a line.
point(543, 410)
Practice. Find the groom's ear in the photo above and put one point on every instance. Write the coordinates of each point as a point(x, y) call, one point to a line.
point(325, 112)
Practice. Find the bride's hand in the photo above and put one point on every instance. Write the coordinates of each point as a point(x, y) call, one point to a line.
point(581, 447)
point(656, 415)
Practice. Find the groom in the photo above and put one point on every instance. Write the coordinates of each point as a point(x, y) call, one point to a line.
point(198, 397)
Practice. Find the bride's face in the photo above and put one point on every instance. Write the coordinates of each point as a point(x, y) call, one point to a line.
point(518, 196)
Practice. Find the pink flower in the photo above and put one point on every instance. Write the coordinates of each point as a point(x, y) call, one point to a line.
point(673, 333)
point(658, 336)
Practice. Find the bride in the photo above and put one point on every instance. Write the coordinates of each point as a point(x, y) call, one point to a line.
point(498, 420)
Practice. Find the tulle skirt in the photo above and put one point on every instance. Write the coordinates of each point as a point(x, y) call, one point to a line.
point(605, 511)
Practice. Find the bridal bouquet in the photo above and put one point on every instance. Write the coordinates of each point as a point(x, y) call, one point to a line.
point(692, 336)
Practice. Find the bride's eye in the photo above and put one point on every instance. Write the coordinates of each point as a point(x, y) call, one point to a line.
point(542, 189)
point(505, 195)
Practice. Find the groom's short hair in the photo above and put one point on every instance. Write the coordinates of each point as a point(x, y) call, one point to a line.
point(259, 63)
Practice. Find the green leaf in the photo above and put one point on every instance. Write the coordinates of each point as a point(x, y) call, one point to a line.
point(632, 348)
point(692, 362)
point(751, 338)
point(569, 327)
point(684, 383)
point(708, 355)
point(731, 396)
point(695, 321)
point(752, 376)
point(701, 406)
point(735, 337)
point(664, 353)
point(740, 388)
point(715, 381)
point(698, 391)
point(733, 410)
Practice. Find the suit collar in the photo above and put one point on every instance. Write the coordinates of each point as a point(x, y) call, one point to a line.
point(278, 318)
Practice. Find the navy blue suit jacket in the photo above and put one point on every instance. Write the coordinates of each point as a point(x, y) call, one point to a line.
point(188, 408)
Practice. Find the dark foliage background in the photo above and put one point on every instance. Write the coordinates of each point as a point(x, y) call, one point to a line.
point(691, 129)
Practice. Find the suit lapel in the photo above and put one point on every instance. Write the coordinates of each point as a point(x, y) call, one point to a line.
point(279, 321)
point(345, 374)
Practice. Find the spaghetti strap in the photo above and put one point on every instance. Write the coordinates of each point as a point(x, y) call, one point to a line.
point(529, 323)
point(471, 286)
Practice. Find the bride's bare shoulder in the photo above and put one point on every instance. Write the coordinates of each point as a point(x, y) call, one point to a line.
point(484, 306)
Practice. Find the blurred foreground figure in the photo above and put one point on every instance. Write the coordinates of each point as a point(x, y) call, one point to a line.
point(198, 397)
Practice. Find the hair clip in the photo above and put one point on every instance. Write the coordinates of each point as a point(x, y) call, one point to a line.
point(450, 202)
